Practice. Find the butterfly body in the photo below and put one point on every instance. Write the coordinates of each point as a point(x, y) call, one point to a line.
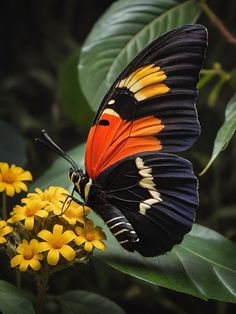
point(144, 192)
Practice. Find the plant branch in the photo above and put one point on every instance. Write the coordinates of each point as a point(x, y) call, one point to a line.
point(4, 206)
point(217, 22)
point(42, 279)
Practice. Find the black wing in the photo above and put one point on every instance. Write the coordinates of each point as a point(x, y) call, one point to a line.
point(154, 97)
point(153, 198)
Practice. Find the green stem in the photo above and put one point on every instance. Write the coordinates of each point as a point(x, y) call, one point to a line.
point(4, 206)
point(42, 286)
point(217, 22)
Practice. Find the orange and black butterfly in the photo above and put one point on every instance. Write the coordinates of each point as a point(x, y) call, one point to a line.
point(146, 195)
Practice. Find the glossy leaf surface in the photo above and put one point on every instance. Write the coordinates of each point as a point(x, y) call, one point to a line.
point(123, 31)
point(225, 133)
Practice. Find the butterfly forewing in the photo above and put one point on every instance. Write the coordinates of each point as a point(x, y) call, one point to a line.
point(152, 98)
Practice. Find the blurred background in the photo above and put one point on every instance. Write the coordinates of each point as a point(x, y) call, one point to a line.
point(39, 89)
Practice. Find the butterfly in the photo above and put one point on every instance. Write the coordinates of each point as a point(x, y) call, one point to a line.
point(145, 193)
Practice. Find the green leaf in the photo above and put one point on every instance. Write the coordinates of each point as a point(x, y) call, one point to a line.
point(57, 174)
point(84, 302)
point(12, 147)
point(123, 31)
point(225, 133)
point(69, 92)
point(203, 265)
point(12, 300)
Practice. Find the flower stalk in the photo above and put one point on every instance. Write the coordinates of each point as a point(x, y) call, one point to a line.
point(4, 206)
point(42, 279)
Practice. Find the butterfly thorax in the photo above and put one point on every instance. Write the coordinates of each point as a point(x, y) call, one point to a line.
point(90, 192)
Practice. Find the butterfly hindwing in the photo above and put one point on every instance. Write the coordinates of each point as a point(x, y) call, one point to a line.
point(150, 107)
point(156, 193)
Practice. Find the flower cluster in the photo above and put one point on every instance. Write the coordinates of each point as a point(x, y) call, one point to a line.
point(48, 228)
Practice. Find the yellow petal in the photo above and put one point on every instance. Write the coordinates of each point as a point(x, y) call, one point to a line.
point(10, 191)
point(42, 213)
point(16, 218)
point(79, 231)
point(29, 223)
point(2, 223)
point(4, 167)
point(57, 230)
point(80, 240)
point(24, 265)
point(21, 185)
point(6, 230)
point(16, 260)
point(2, 186)
point(34, 244)
point(45, 235)
point(53, 257)
point(39, 256)
point(88, 246)
point(71, 221)
point(99, 245)
point(99, 234)
point(89, 226)
point(25, 176)
point(34, 264)
point(68, 236)
point(43, 246)
point(2, 240)
point(67, 252)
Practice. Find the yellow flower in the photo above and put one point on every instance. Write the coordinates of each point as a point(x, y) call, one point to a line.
point(27, 213)
point(90, 236)
point(11, 179)
point(4, 230)
point(56, 244)
point(28, 256)
point(72, 212)
point(50, 198)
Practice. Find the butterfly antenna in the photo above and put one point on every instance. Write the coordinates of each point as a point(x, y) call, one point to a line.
point(46, 140)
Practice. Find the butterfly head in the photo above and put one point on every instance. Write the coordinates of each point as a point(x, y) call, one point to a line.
point(76, 176)
point(75, 173)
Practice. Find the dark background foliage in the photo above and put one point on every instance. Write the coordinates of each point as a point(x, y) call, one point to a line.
point(38, 41)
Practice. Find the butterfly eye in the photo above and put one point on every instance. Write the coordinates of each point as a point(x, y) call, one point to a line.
point(74, 176)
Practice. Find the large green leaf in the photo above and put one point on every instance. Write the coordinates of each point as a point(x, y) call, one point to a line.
point(203, 265)
point(69, 93)
point(84, 302)
point(12, 146)
point(12, 300)
point(126, 28)
point(225, 133)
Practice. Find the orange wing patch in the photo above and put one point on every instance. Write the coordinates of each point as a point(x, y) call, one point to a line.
point(145, 82)
point(109, 144)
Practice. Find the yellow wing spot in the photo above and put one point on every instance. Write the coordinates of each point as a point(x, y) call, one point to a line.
point(147, 182)
point(111, 102)
point(111, 112)
point(151, 91)
point(145, 82)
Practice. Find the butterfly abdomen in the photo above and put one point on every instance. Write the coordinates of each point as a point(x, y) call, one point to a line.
point(119, 225)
